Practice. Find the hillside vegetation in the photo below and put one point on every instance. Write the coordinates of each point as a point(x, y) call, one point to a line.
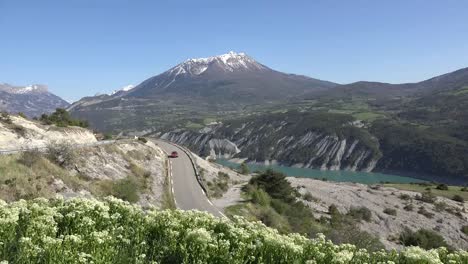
point(328, 140)
point(113, 231)
point(62, 118)
point(411, 148)
point(128, 170)
point(68, 161)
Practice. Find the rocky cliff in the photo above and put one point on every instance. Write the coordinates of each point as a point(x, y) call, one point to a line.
point(305, 140)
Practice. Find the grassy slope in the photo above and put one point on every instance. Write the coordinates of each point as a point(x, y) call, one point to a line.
point(19, 181)
point(452, 190)
point(35, 179)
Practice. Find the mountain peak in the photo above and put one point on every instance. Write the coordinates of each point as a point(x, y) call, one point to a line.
point(223, 57)
point(34, 88)
point(32, 100)
point(123, 89)
point(228, 62)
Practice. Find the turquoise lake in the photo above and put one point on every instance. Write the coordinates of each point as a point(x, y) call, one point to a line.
point(338, 176)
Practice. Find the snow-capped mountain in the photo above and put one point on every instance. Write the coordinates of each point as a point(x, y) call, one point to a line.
point(227, 77)
point(123, 89)
point(227, 82)
point(228, 62)
point(30, 89)
point(32, 100)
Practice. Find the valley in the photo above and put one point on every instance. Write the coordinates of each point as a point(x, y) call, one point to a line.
point(240, 132)
point(402, 129)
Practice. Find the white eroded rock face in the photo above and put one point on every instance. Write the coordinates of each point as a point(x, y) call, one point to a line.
point(25, 133)
point(308, 150)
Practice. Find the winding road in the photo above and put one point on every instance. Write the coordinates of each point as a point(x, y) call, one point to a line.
point(188, 193)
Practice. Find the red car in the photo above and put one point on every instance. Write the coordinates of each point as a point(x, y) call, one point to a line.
point(174, 154)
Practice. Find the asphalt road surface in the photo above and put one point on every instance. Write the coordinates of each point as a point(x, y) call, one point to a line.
point(188, 193)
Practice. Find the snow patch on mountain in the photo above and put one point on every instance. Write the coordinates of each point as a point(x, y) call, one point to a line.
point(228, 62)
point(34, 88)
point(123, 89)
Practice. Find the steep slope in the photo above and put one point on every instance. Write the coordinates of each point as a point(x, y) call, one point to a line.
point(32, 100)
point(332, 142)
point(444, 110)
point(232, 77)
point(70, 162)
point(214, 85)
point(311, 140)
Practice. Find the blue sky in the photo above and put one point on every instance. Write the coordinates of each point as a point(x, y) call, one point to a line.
point(82, 47)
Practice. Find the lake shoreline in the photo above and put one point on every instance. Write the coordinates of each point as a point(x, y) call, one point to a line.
point(336, 175)
point(418, 177)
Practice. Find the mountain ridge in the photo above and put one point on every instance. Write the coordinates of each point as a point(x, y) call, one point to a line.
point(231, 73)
point(32, 100)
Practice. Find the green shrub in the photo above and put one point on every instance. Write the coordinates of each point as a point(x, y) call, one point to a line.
point(440, 206)
point(351, 234)
point(426, 197)
point(309, 197)
point(360, 213)
point(275, 184)
point(126, 189)
point(21, 114)
point(442, 186)
point(142, 140)
point(423, 238)
point(405, 196)
point(60, 154)
point(218, 186)
point(464, 229)
point(107, 136)
point(223, 175)
point(30, 157)
point(5, 118)
point(458, 198)
point(260, 197)
point(271, 218)
point(424, 212)
point(279, 206)
point(408, 207)
point(244, 169)
point(62, 118)
point(390, 211)
point(333, 209)
point(20, 130)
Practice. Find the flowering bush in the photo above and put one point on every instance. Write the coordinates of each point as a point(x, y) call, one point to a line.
point(113, 231)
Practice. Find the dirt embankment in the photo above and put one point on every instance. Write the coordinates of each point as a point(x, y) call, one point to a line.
point(23, 133)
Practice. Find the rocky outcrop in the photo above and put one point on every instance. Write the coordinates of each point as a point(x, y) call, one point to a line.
point(376, 198)
point(279, 142)
point(22, 133)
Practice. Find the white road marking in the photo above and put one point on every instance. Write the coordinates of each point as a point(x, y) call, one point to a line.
point(187, 152)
